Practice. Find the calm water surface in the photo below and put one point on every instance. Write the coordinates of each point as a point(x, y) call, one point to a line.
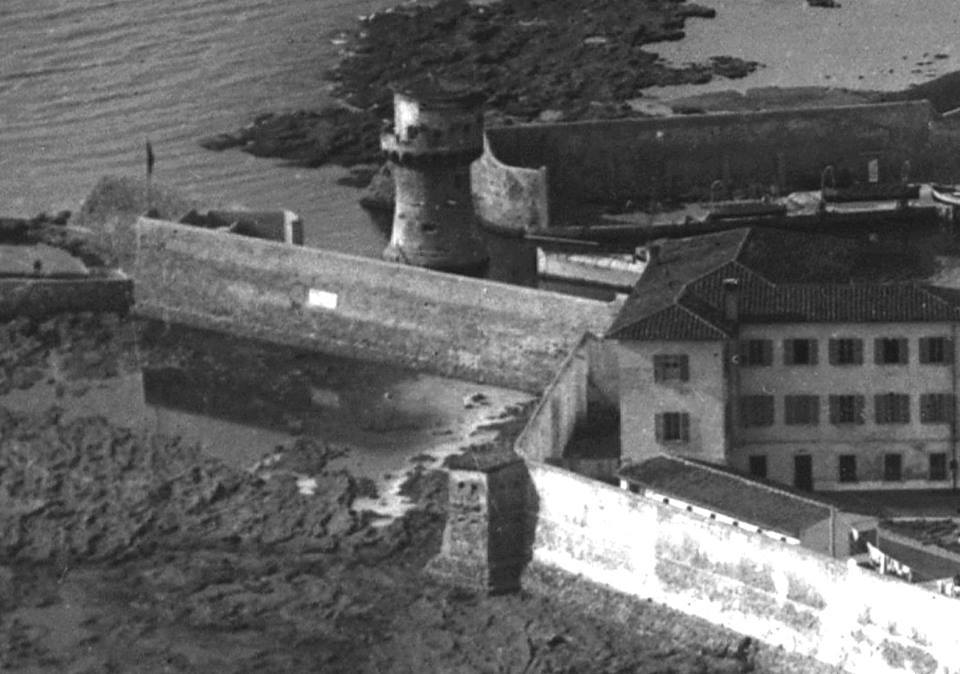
point(84, 83)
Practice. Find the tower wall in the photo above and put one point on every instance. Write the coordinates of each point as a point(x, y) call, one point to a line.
point(436, 137)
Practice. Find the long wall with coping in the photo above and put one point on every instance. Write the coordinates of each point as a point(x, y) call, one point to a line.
point(784, 595)
point(663, 158)
point(457, 326)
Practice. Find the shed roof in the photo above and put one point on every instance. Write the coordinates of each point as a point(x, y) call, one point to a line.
point(729, 493)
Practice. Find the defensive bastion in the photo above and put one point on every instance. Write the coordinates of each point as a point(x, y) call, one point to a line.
point(531, 174)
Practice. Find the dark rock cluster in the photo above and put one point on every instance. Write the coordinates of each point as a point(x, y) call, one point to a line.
point(560, 60)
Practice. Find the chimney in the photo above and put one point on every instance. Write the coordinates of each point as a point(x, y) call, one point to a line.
point(731, 300)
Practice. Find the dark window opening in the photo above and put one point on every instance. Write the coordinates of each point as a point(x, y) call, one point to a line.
point(892, 467)
point(803, 472)
point(758, 465)
point(672, 367)
point(938, 466)
point(800, 352)
point(757, 353)
point(846, 409)
point(848, 468)
point(890, 351)
point(673, 427)
point(428, 228)
point(936, 350)
point(846, 351)
point(756, 411)
point(802, 410)
point(936, 408)
point(891, 408)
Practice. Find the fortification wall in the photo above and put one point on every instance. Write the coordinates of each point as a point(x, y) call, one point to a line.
point(562, 405)
point(658, 158)
point(784, 595)
point(509, 198)
point(458, 326)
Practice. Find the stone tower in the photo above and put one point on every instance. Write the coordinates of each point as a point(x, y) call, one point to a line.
point(486, 541)
point(437, 133)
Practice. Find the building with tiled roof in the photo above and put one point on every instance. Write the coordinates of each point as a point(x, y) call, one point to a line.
point(727, 356)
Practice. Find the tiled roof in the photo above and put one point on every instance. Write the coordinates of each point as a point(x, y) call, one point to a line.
point(688, 285)
point(729, 493)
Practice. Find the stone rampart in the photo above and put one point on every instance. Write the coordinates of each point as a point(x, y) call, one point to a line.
point(782, 594)
point(454, 325)
point(664, 158)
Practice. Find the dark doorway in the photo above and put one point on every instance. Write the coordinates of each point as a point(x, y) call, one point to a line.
point(803, 472)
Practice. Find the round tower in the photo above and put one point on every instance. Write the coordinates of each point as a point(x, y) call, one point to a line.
point(437, 133)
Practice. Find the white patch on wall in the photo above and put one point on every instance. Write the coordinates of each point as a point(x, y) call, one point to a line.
point(321, 299)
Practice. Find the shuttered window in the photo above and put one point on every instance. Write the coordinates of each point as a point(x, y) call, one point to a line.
point(891, 408)
point(756, 353)
point(672, 427)
point(937, 408)
point(671, 367)
point(936, 350)
point(801, 410)
point(892, 467)
point(890, 351)
point(938, 466)
point(846, 351)
point(756, 411)
point(799, 352)
point(846, 409)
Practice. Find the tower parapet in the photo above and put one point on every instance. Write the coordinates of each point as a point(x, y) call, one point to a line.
point(437, 133)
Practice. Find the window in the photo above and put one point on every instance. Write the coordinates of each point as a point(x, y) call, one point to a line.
point(799, 352)
point(848, 468)
point(758, 465)
point(756, 411)
point(892, 467)
point(671, 368)
point(846, 351)
point(802, 410)
point(891, 408)
point(756, 352)
point(673, 427)
point(846, 409)
point(412, 132)
point(936, 408)
point(938, 466)
point(890, 351)
point(936, 350)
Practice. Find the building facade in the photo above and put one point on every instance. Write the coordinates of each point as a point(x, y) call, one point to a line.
point(814, 385)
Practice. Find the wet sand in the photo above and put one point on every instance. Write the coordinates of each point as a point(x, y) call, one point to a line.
point(883, 45)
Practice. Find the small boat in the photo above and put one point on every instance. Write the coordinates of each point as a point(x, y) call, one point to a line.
point(945, 194)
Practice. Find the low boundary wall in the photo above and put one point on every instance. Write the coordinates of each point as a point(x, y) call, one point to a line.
point(810, 604)
point(347, 305)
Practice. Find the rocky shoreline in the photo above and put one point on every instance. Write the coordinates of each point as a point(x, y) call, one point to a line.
point(533, 59)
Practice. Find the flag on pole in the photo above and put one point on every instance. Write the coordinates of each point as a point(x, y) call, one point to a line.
point(150, 159)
